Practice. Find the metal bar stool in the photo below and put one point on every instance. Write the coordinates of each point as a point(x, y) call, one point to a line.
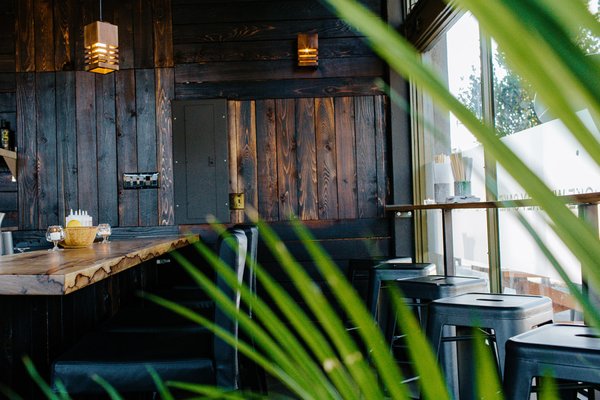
point(419, 293)
point(501, 315)
point(392, 270)
point(359, 271)
point(564, 352)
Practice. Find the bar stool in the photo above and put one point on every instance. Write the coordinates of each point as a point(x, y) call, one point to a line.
point(359, 270)
point(505, 315)
point(421, 292)
point(565, 352)
point(392, 270)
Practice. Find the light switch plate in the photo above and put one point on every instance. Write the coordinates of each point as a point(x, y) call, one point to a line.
point(140, 180)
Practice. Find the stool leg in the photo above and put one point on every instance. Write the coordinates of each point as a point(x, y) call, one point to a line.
point(518, 376)
point(374, 294)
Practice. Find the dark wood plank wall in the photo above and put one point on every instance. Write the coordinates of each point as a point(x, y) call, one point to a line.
point(78, 132)
point(316, 158)
point(247, 50)
point(8, 109)
point(302, 142)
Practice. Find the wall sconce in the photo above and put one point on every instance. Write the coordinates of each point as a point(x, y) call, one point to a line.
point(308, 50)
point(101, 41)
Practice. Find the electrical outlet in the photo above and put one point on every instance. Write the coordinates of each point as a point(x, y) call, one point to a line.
point(236, 201)
point(140, 180)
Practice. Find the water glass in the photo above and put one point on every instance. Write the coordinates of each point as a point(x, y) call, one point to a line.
point(55, 234)
point(104, 232)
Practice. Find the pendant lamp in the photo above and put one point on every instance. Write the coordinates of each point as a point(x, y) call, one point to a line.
point(101, 41)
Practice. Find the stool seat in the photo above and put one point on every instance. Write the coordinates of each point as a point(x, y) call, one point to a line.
point(497, 306)
point(506, 315)
point(433, 287)
point(563, 351)
point(392, 270)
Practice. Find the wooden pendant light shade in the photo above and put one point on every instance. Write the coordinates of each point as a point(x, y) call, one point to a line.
point(101, 41)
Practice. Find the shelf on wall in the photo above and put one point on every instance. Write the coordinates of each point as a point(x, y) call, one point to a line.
point(10, 157)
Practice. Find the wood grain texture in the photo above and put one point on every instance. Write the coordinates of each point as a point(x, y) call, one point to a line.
point(269, 50)
point(44, 35)
point(266, 159)
point(143, 34)
point(65, 34)
point(66, 137)
point(287, 172)
point(198, 12)
point(163, 33)
point(246, 147)
point(326, 158)
point(146, 143)
point(106, 137)
point(47, 146)
point(26, 157)
point(126, 144)
point(307, 159)
point(233, 110)
point(293, 88)
point(381, 153)
point(259, 30)
point(346, 157)
point(123, 18)
point(279, 69)
point(25, 40)
point(62, 272)
point(87, 177)
point(366, 158)
point(165, 92)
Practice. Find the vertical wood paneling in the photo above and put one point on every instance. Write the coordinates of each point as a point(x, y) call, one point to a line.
point(65, 34)
point(142, 34)
point(326, 158)
point(287, 173)
point(165, 82)
point(107, 150)
point(123, 18)
point(46, 145)
point(366, 159)
point(66, 131)
point(246, 139)
point(44, 35)
point(146, 143)
point(26, 163)
point(25, 40)
point(87, 178)
point(381, 153)
point(346, 157)
point(307, 159)
point(233, 110)
point(266, 159)
point(163, 33)
point(126, 144)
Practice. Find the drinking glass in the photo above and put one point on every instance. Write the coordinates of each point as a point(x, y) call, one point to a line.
point(55, 234)
point(104, 232)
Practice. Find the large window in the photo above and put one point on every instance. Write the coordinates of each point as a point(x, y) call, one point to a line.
point(523, 123)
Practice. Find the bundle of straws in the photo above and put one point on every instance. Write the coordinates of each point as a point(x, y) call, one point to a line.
point(440, 158)
point(461, 166)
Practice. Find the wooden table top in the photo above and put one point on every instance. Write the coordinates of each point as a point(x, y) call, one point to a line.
point(45, 272)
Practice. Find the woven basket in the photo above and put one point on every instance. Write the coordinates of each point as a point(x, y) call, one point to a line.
point(80, 236)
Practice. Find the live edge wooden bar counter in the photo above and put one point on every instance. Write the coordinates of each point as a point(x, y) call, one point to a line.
point(48, 299)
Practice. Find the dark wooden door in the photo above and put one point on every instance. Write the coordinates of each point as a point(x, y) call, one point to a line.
point(200, 161)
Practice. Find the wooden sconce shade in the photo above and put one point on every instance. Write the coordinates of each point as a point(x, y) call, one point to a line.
point(308, 50)
point(101, 41)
